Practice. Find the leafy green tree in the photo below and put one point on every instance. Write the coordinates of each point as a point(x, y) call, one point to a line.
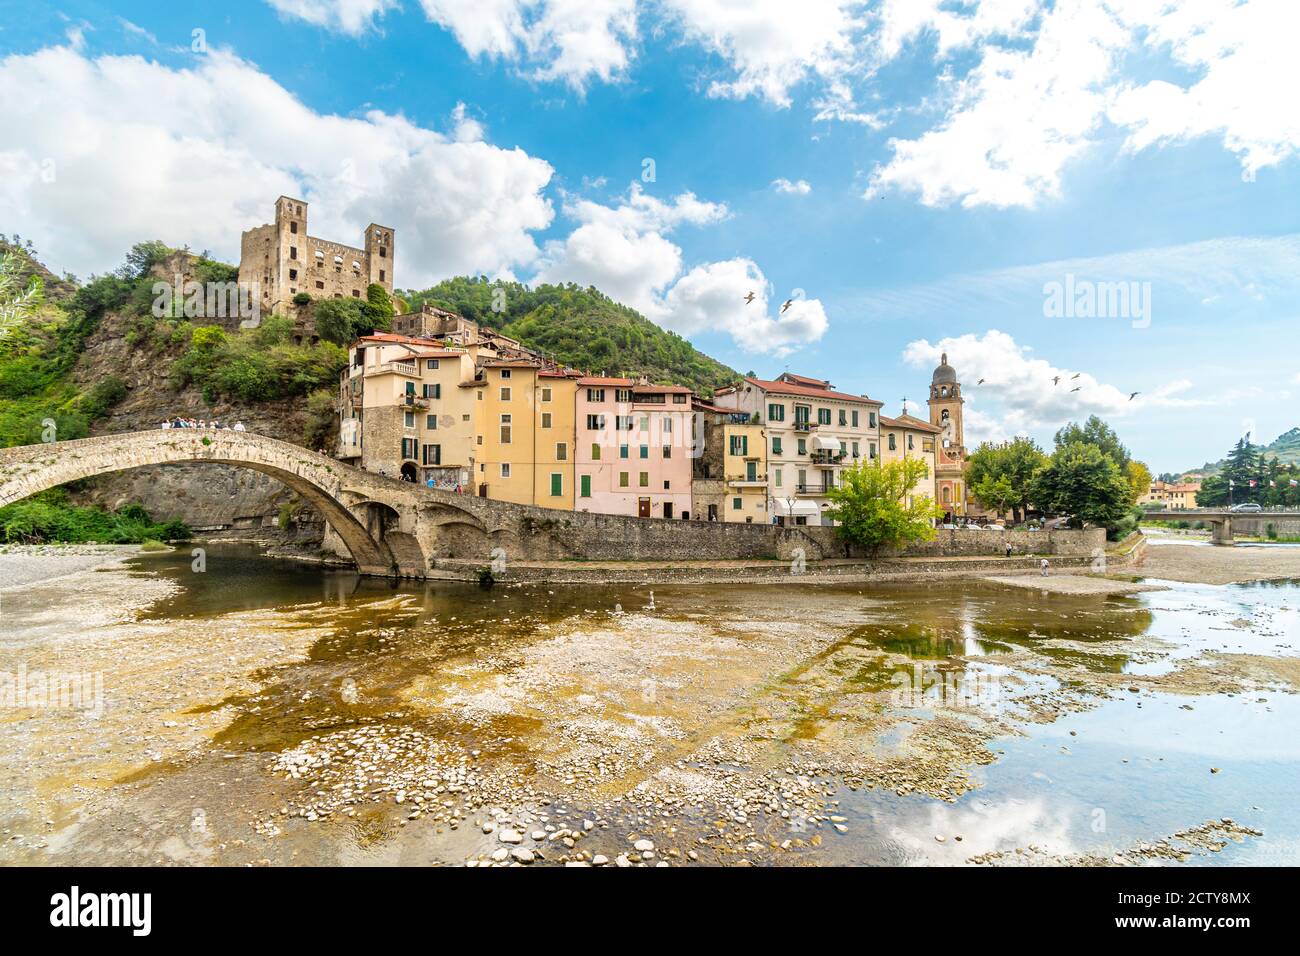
point(378, 309)
point(1082, 481)
point(18, 300)
point(1017, 462)
point(143, 257)
point(320, 432)
point(1139, 478)
point(996, 494)
point(870, 504)
point(1095, 432)
point(339, 320)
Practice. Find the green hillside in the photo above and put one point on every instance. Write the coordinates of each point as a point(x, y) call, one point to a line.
point(579, 327)
point(1285, 448)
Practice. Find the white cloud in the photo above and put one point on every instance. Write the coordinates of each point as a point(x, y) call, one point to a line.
point(801, 187)
point(353, 17)
point(1243, 55)
point(1032, 392)
point(624, 250)
point(1017, 118)
point(772, 45)
point(138, 150)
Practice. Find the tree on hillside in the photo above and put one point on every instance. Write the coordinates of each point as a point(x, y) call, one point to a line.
point(18, 300)
point(340, 320)
point(378, 308)
point(870, 504)
point(143, 257)
point(996, 467)
point(1244, 465)
point(1081, 481)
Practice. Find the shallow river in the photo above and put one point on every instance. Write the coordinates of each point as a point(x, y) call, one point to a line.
point(268, 712)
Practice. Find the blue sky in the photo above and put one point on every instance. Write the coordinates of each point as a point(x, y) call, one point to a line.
point(913, 174)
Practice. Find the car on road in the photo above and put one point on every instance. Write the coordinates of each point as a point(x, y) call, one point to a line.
point(1246, 506)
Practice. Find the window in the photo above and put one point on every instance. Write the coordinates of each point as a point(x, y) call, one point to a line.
point(585, 487)
point(645, 424)
point(668, 425)
point(408, 448)
point(319, 284)
point(740, 445)
point(844, 417)
point(775, 412)
point(645, 479)
point(546, 419)
point(893, 445)
point(679, 398)
point(557, 484)
point(622, 479)
point(645, 451)
point(293, 228)
point(293, 273)
point(408, 419)
point(561, 451)
point(801, 413)
point(595, 423)
point(505, 393)
point(505, 469)
point(432, 391)
point(622, 451)
point(430, 421)
point(667, 484)
point(871, 419)
point(803, 446)
point(823, 416)
point(505, 429)
point(623, 423)
point(668, 451)
point(595, 394)
point(871, 450)
point(855, 450)
point(432, 454)
point(505, 373)
point(356, 293)
point(735, 504)
point(595, 452)
point(776, 478)
point(776, 446)
point(431, 364)
point(382, 275)
point(546, 394)
point(855, 418)
point(910, 446)
point(623, 395)
point(293, 252)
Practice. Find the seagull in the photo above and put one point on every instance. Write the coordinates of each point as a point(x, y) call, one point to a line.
point(1056, 380)
point(785, 305)
point(1076, 388)
point(1133, 395)
point(1075, 375)
point(749, 298)
point(980, 382)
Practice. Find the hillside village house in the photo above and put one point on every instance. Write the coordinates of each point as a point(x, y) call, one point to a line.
point(813, 433)
point(1175, 496)
point(634, 448)
point(730, 469)
point(908, 437)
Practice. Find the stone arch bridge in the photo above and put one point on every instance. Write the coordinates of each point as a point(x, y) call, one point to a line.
point(396, 528)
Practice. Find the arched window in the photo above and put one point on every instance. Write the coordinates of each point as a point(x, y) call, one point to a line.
point(944, 391)
point(947, 495)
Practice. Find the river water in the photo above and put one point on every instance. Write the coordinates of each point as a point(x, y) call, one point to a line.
point(270, 712)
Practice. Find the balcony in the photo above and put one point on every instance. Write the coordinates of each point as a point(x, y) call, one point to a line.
point(800, 426)
point(820, 488)
point(415, 401)
point(758, 481)
point(827, 458)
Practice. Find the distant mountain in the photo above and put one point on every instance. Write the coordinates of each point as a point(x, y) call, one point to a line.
point(579, 327)
point(1285, 448)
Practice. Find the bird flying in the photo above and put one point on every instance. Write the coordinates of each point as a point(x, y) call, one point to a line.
point(1133, 395)
point(1075, 375)
point(786, 304)
point(749, 298)
point(1056, 380)
point(980, 382)
point(1076, 388)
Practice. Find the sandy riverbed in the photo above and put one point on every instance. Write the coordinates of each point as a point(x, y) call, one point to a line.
point(1198, 564)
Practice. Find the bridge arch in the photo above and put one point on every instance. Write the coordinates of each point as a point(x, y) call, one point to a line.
point(26, 470)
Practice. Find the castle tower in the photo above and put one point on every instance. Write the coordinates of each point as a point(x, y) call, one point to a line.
point(379, 256)
point(950, 458)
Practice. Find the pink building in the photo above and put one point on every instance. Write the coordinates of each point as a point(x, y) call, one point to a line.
point(634, 448)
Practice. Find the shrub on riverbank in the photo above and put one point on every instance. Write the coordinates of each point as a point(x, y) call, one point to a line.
point(48, 517)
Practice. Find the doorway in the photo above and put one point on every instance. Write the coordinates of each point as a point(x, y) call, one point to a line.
point(643, 508)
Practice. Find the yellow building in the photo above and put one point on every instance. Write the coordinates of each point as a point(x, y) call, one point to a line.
point(906, 437)
point(526, 433)
point(1174, 496)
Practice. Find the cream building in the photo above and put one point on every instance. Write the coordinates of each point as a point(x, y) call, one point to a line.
point(404, 412)
point(813, 433)
point(1175, 496)
point(525, 439)
point(908, 437)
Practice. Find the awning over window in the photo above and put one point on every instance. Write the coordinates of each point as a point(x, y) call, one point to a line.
point(822, 443)
point(793, 508)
